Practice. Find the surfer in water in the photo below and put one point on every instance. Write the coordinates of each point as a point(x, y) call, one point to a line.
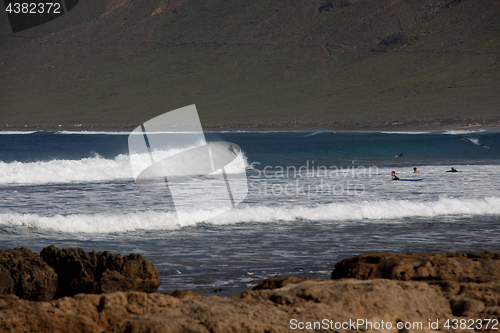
point(415, 170)
point(400, 155)
point(452, 170)
point(201, 177)
point(394, 177)
point(231, 149)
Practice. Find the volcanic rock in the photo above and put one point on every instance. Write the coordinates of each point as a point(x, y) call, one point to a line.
point(23, 273)
point(252, 311)
point(459, 267)
point(102, 272)
point(370, 293)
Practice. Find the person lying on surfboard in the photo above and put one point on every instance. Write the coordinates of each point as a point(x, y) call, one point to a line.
point(452, 170)
point(394, 177)
point(201, 177)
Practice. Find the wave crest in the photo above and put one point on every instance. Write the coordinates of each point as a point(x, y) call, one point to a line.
point(344, 212)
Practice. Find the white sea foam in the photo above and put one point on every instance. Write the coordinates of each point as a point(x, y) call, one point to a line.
point(93, 223)
point(410, 132)
point(17, 132)
point(120, 132)
point(359, 211)
point(456, 132)
point(236, 131)
point(364, 210)
point(92, 169)
point(316, 132)
point(65, 171)
point(94, 132)
point(475, 141)
point(129, 132)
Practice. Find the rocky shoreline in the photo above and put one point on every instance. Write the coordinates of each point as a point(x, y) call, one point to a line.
point(69, 290)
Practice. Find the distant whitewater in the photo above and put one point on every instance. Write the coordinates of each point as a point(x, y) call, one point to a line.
point(92, 169)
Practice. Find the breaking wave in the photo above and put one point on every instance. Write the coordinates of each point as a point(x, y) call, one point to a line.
point(92, 169)
point(367, 211)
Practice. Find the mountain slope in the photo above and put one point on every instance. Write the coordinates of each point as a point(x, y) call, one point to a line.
point(256, 63)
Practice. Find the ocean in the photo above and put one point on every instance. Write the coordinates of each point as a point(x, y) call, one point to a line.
point(313, 199)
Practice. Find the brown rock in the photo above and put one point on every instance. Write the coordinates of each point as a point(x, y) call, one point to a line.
point(252, 311)
point(137, 273)
point(23, 273)
point(488, 293)
point(460, 267)
point(182, 293)
point(466, 307)
point(468, 280)
point(103, 272)
point(277, 282)
point(280, 305)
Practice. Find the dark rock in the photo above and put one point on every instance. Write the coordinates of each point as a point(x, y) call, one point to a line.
point(399, 37)
point(23, 273)
point(397, 40)
point(460, 267)
point(332, 4)
point(326, 7)
point(277, 282)
point(103, 272)
point(451, 3)
point(487, 293)
point(182, 294)
point(466, 306)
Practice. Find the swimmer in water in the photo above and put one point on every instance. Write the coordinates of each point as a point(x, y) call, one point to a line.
point(415, 170)
point(201, 177)
point(394, 177)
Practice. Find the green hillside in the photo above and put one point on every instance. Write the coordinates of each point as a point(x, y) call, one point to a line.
point(111, 63)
